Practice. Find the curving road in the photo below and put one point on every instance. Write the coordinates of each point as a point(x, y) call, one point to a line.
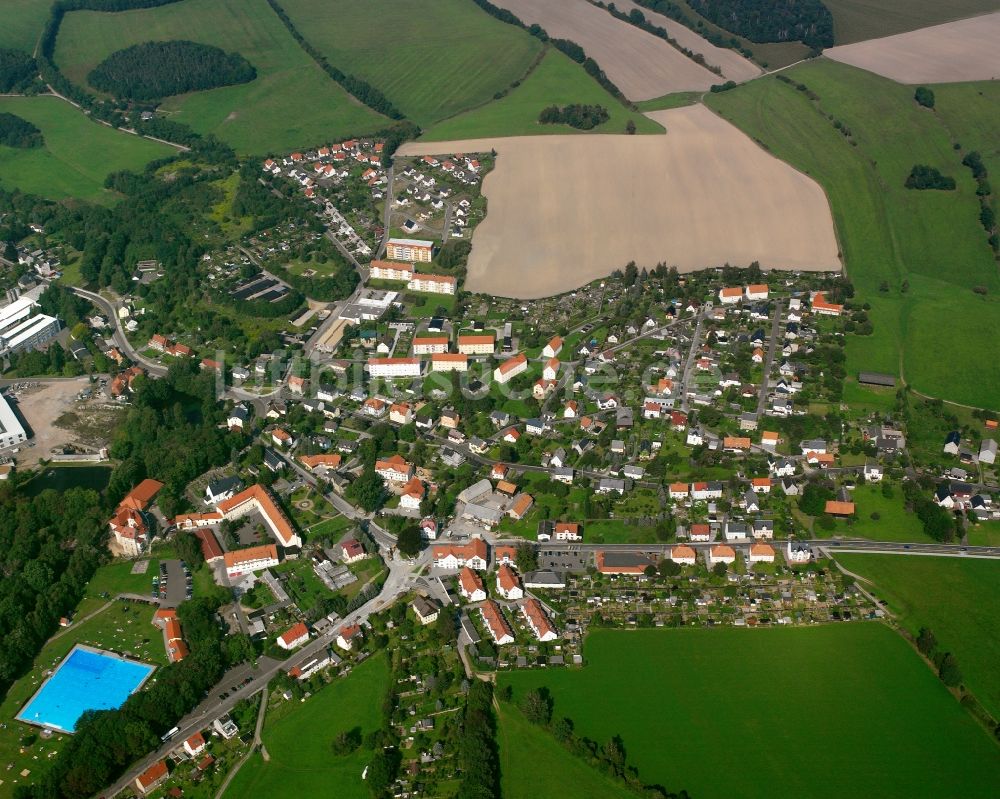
point(119, 337)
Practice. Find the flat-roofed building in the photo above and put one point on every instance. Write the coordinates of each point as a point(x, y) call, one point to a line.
point(12, 432)
point(409, 250)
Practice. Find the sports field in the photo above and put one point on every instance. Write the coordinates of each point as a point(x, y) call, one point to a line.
point(292, 103)
point(826, 711)
point(431, 58)
point(956, 598)
point(555, 81)
point(522, 742)
point(299, 741)
point(927, 248)
point(77, 155)
point(857, 20)
point(950, 53)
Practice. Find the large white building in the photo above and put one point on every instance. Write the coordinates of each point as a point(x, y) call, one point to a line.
point(409, 250)
point(433, 284)
point(11, 430)
point(21, 328)
point(449, 362)
point(394, 367)
point(511, 368)
point(428, 345)
point(387, 270)
point(476, 344)
point(252, 559)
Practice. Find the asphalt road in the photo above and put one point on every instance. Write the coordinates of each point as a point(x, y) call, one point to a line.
point(121, 341)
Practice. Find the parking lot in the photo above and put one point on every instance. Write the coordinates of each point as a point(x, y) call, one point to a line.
point(174, 583)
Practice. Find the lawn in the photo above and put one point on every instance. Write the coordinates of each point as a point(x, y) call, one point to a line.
point(431, 58)
point(298, 741)
point(854, 700)
point(984, 534)
point(894, 522)
point(956, 598)
point(914, 256)
point(77, 155)
point(291, 103)
point(124, 627)
point(857, 20)
point(523, 743)
point(555, 81)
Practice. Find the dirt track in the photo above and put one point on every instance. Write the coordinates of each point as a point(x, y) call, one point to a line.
point(564, 210)
point(733, 65)
point(643, 66)
point(968, 49)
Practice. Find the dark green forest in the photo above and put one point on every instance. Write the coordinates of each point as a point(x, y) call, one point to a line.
point(17, 70)
point(807, 21)
point(582, 117)
point(18, 132)
point(153, 70)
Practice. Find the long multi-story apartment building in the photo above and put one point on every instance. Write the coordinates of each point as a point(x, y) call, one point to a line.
point(394, 367)
point(409, 250)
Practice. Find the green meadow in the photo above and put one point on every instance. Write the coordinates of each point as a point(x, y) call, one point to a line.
point(291, 103)
point(522, 743)
point(431, 58)
point(77, 155)
point(22, 23)
point(555, 81)
point(825, 711)
point(915, 256)
point(298, 738)
point(956, 598)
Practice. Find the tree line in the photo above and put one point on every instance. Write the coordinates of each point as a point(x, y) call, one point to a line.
point(582, 117)
point(354, 85)
point(17, 70)
point(18, 132)
point(670, 9)
point(611, 758)
point(565, 46)
point(478, 758)
point(638, 19)
point(808, 21)
point(987, 216)
point(153, 70)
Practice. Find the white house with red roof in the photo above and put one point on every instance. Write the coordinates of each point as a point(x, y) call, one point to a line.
point(394, 469)
point(470, 585)
point(294, 637)
point(508, 583)
point(195, 745)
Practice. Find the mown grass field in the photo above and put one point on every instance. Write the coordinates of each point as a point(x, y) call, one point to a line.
point(77, 155)
point(853, 700)
point(431, 58)
point(523, 743)
point(555, 81)
point(23, 21)
point(857, 20)
point(956, 598)
point(927, 248)
point(893, 522)
point(299, 740)
point(290, 104)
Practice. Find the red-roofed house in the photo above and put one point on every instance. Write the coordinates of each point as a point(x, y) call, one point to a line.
point(508, 583)
point(538, 620)
point(347, 636)
point(195, 745)
point(470, 585)
point(474, 554)
point(130, 525)
point(152, 777)
point(351, 551)
point(297, 635)
point(496, 623)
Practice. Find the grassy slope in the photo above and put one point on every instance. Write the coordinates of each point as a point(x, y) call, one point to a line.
point(555, 81)
point(888, 233)
point(292, 103)
point(523, 743)
point(853, 700)
point(22, 24)
point(857, 20)
point(431, 58)
point(298, 743)
point(77, 155)
point(954, 597)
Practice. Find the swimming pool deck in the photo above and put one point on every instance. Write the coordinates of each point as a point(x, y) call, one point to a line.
point(47, 722)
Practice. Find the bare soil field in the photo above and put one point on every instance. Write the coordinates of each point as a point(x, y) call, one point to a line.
point(733, 65)
point(56, 418)
point(565, 210)
point(643, 66)
point(968, 49)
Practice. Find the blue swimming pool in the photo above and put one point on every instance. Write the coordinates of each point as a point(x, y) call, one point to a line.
point(87, 679)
